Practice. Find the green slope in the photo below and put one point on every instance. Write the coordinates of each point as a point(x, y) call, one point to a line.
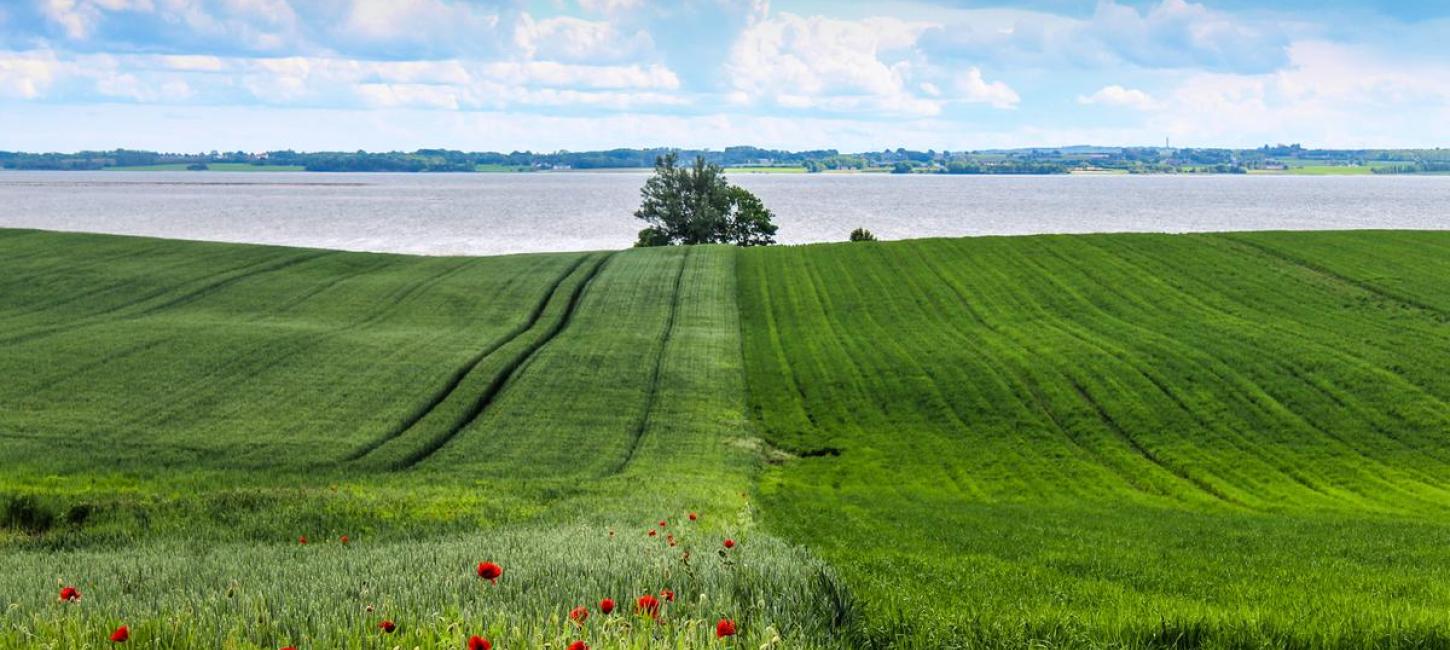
point(1138, 440)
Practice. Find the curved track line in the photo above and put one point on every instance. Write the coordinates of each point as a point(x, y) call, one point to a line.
point(654, 379)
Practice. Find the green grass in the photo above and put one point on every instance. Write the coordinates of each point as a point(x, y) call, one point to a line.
point(212, 167)
point(1225, 440)
point(1232, 440)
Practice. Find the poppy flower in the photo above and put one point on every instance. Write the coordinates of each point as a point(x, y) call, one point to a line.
point(651, 532)
point(693, 516)
point(121, 635)
point(578, 645)
point(302, 540)
point(724, 628)
point(290, 647)
point(477, 642)
point(69, 595)
point(343, 539)
point(729, 543)
point(648, 604)
point(579, 614)
point(607, 606)
point(668, 595)
point(489, 571)
point(387, 626)
point(662, 523)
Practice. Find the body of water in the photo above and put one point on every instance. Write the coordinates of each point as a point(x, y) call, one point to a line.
point(485, 214)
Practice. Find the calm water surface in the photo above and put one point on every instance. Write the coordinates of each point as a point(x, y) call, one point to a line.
point(514, 213)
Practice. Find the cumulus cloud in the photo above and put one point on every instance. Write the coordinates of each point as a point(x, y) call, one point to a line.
point(26, 75)
point(972, 88)
point(815, 61)
point(565, 38)
point(1119, 96)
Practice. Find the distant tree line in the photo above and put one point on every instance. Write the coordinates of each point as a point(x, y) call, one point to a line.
point(1005, 161)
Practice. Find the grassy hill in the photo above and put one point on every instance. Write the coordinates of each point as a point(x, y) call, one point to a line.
point(1138, 440)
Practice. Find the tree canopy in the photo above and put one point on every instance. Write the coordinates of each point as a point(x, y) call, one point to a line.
point(696, 205)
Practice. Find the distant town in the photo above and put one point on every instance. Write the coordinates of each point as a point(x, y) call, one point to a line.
point(1275, 159)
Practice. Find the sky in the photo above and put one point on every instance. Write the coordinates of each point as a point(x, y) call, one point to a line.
point(546, 75)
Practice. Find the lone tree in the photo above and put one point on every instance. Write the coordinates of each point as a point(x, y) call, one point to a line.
point(695, 205)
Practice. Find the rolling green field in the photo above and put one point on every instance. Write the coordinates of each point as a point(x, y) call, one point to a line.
point(1227, 440)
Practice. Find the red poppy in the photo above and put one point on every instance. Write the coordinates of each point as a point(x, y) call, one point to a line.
point(724, 628)
point(477, 642)
point(579, 614)
point(651, 532)
point(578, 645)
point(121, 635)
point(290, 647)
point(648, 604)
point(387, 626)
point(343, 539)
point(662, 523)
point(607, 606)
point(693, 516)
point(302, 540)
point(668, 595)
point(729, 543)
point(490, 571)
point(69, 595)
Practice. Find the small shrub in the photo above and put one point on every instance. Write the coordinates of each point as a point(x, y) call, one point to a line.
point(862, 234)
point(27, 514)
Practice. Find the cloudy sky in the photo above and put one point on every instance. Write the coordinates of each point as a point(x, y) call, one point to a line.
point(191, 75)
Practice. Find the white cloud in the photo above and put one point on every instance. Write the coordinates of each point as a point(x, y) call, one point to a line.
point(565, 38)
point(1119, 96)
point(815, 61)
point(27, 75)
point(609, 6)
point(972, 88)
point(1329, 95)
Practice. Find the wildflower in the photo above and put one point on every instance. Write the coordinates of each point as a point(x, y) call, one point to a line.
point(387, 626)
point(668, 595)
point(724, 628)
point(729, 543)
point(651, 532)
point(489, 571)
point(290, 647)
point(343, 539)
point(121, 635)
point(693, 516)
point(477, 642)
point(662, 523)
point(648, 604)
point(579, 614)
point(606, 606)
point(578, 645)
point(302, 540)
point(69, 595)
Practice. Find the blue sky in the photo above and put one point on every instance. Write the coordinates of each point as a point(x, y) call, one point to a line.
point(191, 75)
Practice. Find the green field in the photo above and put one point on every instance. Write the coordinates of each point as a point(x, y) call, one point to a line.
point(1229, 440)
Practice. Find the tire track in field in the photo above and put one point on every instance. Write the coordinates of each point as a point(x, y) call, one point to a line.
point(1440, 315)
point(654, 379)
point(1147, 453)
point(1245, 387)
point(1289, 364)
point(233, 276)
point(459, 374)
point(506, 374)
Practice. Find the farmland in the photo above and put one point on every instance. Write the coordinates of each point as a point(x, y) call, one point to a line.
point(1137, 440)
